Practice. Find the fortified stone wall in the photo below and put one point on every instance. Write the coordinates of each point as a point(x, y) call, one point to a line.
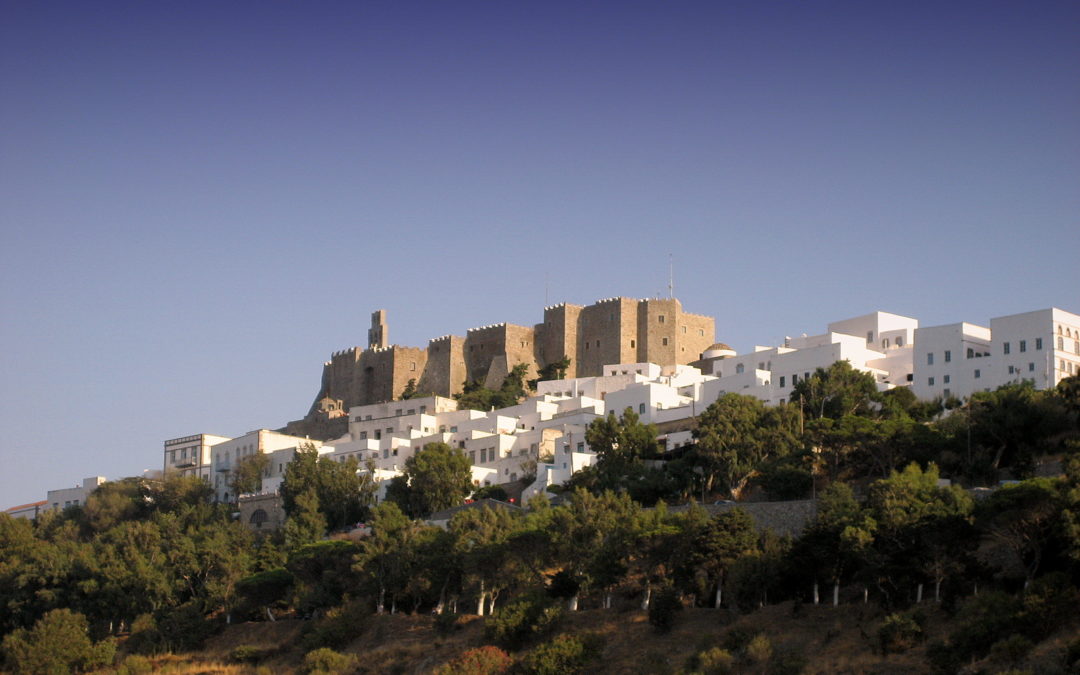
point(615, 330)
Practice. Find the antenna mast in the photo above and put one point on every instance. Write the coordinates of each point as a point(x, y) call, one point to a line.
point(671, 277)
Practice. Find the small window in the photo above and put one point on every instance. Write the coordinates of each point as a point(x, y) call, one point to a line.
point(1023, 345)
point(1008, 348)
point(782, 378)
point(930, 358)
point(930, 381)
point(1031, 367)
point(1060, 344)
point(899, 342)
point(641, 408)
point(948, 356)
point(794, 379)
point(633, 344)
point(739, 369)
point(978, 373)
point(947, 393)
point(947, 379)
point(1038, 344)
point(869, 337)
point(665, 342)
point(684, 329)
point(1011, 370)
point(660, 318)
point(970, 353)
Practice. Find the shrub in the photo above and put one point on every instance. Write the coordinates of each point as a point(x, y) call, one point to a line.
point(446, 623)
point(759, 650)
point(715, 661)
point(522, 620)
point(900, 632)
point(246, 654)
point(323, 660)
point(564, 655)
point(486, 660)
point(663, 609)
point(1048, 603)
point(58, 643)
point(339, 626)
point(787, 661)
point(135, 665)
point(1011, 650)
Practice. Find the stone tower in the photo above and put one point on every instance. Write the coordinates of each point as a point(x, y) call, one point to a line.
point(378, 336)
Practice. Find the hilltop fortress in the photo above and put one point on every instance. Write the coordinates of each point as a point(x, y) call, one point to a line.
point(615, 330)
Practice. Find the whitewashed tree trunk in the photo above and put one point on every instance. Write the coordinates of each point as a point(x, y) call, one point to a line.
point(607, 601)
point(865, 595)
point(918, 594)
point(381, 607)
point(491, 604)
point(937, 590)
point(393, 604)
point(817, 598)
point(648, 598)
point(836, 594)
point(270, 615)
point(571, 604)
point(480, 602)
point(719, 595)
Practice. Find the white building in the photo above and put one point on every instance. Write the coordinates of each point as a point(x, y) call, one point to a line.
point(1040, 347)
point(73, 496)
point(190, 455)
point(224, 456)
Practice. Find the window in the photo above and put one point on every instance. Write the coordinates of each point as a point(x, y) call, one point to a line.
point(782, 378)
point(739, 369)
point(633, 344)
point(410, 411)
point(869, 337)
point(885, 343)
point(948, 356)
point(1008, 347)
point(423, 409)
point(1023, 345)
point(1076, 346)
point(581, 447)
point(660, 318)
point(930, 381)
point(665, 342)
point(701, 332)
point(412, 365)
point(684, 329)
point(1038, 344)
point(1061, 343)
point(930, 358)
point(947, 393)
point(978, 373)
point(970, 353)
point(899, 342)
point(363, 435)
point(794, 379)
point(947, 379)
point(1011, 370)
point(472, 457)
point(641, 409)
point(397, 412)
point(1031, 367)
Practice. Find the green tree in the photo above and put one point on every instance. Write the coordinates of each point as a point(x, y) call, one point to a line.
point(708, 548)
point(736, 435)
point(1025, 519)
point(556, 370)
point(1013, 426)
point(305, 524)
point(384, 556)
point(436, 478)
point(836, 391)
point(343, 493)
point(247, 474)
point(475, 396)
point(59, 643)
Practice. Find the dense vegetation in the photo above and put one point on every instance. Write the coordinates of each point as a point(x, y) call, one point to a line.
point(154, 562)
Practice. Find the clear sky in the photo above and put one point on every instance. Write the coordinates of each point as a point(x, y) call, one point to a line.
point(200, 201)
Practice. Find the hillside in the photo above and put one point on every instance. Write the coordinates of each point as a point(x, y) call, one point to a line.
point(825, 639)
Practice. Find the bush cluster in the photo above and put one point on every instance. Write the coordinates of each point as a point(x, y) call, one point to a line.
point(563, 655)
point(522, 620)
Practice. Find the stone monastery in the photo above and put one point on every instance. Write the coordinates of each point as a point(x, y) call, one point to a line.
point(645, 355)
point(615, 330)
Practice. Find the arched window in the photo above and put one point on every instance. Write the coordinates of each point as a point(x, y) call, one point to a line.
point(899, 342)
point(258, 518)
point(739, 369)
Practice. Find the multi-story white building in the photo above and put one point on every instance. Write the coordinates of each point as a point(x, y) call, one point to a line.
point(226, 455)
point(190, 455)
point(1040, 347)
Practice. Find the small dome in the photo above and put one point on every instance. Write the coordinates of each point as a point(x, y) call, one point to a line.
point(718, 351)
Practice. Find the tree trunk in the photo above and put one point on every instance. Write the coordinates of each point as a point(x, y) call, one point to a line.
point(817, 598)
point(380, 607)
point(270, 615)
point(836, 594)
point(480, 602)
point(937, 590)
point(571, 604)
point(719, 595)
point(393, 604)
point(491, 602)
point(648, 598)
point(607, 600)
point(441, 605)
point(918, 594)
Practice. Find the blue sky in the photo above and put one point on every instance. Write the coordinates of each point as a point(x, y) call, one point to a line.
point(200, 201)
